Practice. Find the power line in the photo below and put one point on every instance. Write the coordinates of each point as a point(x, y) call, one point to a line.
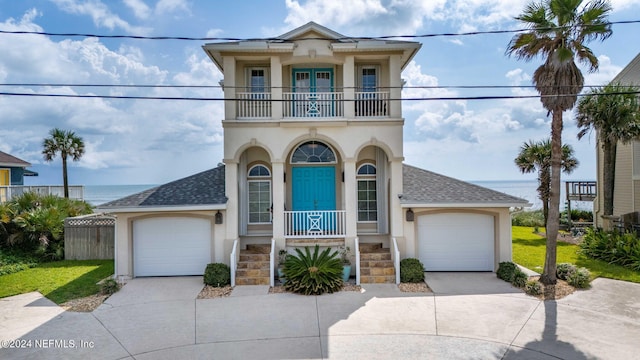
point(347, 38)
point(123, 97)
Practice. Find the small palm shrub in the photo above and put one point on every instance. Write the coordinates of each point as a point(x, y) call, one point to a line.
point(612, 247)
point(564, 270)
point(519, 278)
point(313, 274)
point(411, 271)
point(533, 287)
point(579, 279)
point(217, 275)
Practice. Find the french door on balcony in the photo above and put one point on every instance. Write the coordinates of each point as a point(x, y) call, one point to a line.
point(313, 90)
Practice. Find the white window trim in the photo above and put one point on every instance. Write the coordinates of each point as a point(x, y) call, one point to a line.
point(267, 79)
point(361, 178)
point(359, 76)
point(258, 179)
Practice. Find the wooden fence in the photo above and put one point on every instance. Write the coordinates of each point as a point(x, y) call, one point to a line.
point(88, 238)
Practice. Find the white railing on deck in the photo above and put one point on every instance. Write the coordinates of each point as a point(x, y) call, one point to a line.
point(272, 263)
point(233, 261)
point(318, 104)
point(374, 103)
point(254, 105)
point(76, 192)
point(357, 252)
point(395, 253)
point(315, 224)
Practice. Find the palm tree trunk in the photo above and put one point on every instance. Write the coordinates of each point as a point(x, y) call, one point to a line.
point(548, 276)
point(65, 181)
point(608, 179)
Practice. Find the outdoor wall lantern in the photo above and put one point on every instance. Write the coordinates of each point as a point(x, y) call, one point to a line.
point(409, 215)
point(218, 217)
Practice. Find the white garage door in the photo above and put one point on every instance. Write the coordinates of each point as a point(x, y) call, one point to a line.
point(456, 242)
point(171, 246)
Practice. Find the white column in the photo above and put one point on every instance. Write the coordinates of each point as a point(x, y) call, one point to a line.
point(230, 83)
point(278, 186)
point(395, 81)
point(397, 218)
point(276, 88)
point(351, 198)
point(348, 79)
point(231, 190)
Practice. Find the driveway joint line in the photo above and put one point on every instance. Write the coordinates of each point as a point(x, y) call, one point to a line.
point(112, 334)
point(522, 327)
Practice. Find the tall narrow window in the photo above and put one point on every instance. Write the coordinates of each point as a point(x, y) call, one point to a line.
point(367, 194)
point(369, 81)
point(259, 194)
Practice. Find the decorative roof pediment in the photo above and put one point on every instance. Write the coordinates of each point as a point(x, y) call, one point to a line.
point(311, 30)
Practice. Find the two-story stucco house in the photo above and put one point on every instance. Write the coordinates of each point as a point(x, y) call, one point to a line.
point(313, 154)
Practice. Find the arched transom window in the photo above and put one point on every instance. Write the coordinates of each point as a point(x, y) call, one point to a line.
point(313, 152)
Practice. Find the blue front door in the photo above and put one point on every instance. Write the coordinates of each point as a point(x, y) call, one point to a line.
point(314, 188)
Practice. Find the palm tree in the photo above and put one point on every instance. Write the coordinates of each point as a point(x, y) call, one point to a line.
point(614, 112)
point(537, 156)
point(68, 144)
point(558, 32)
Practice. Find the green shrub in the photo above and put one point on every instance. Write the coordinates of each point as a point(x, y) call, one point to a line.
point(217, 275)
point(564, 270)
point(313, 274)
point(506, 270)
point(528, 218)
point(612, 247)
point(519, 278)
point(533, 287)
point(579, 279)
point(411, 271)
point(12, 261)
point(109, 286)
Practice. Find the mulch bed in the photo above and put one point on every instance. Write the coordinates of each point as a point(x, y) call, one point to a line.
point(554, 292)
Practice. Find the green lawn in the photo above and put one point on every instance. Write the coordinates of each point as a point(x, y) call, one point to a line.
point(59, 281)
point(529, 251)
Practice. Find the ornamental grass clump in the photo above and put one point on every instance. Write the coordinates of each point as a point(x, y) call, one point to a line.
point(313, 274)
point(580, 278)
point(564, 270)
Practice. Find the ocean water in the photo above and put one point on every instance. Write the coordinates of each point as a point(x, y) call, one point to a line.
point(526, 189)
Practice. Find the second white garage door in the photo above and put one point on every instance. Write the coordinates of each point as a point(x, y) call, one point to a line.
point(456, 242)
point(171, 246)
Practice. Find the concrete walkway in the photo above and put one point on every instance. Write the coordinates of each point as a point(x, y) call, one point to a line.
point(468, 316)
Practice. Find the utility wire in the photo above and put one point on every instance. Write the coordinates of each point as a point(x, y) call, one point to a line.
point(346, 38)
point(121, 97)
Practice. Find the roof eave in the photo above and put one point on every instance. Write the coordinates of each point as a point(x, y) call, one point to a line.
point(464, 205)
point(168, 208)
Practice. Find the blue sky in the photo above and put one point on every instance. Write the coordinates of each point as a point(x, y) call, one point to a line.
point(152, 141)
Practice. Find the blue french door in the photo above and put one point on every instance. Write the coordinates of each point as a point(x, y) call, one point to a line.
point(314, 188)
point(313, 86)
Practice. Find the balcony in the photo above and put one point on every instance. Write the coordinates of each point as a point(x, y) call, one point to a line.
point(315, 224)
point(297, 105)
point(9, 192)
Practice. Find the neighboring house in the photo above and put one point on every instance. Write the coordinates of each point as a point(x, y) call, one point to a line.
point(12, 172)
point(626, 197)
point(313, 154)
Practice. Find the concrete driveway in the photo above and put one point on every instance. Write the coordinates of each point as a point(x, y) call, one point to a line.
point(469, 315)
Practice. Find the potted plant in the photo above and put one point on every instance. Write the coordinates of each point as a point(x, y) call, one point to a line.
point(345, 256)
point(282, 256)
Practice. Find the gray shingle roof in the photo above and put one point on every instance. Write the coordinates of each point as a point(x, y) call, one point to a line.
point(205, 188)
point(426, 187)
point(10, 160)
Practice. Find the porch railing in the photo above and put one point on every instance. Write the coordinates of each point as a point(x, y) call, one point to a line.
point(395, 253)
point(8, 192)
point(318, 104)
point(315, 224)
point(272, 263)
point(312, 104)
point(357, 252)
point(234, 258)
point(254, 105)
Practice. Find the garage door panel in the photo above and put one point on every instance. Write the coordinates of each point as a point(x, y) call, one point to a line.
point(171, 246)
point(456, 242)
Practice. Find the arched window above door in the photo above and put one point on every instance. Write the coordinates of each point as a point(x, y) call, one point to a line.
point(313, 152)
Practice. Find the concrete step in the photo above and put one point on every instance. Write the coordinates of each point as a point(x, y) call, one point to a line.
point(258, 248)
point(370, 247)
point(249, 273)
point(373, 279)
point(379, 271)
point(252, 281)
point(246, 255)
point(375, 256)
point(375, 263)
point(253, 265)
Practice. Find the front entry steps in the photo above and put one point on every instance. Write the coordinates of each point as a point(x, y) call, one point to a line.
point(253, 267)
point(376, 266)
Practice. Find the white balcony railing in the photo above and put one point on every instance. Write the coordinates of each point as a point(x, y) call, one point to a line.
point(254, 105)
point(8, 192)
point(315, 224)
point(317, 104)
point(374, 104)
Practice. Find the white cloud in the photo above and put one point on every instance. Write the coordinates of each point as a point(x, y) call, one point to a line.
point(172, 6)
point(139, 8)
point(100, 14)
